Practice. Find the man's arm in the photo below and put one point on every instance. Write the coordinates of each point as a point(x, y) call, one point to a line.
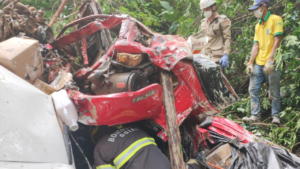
point(277, 42)
point(254, 52)
point(226, 30)
point(102, 158)
point(202, 29)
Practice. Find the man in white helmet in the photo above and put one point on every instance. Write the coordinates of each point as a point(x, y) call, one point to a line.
point(218, 29)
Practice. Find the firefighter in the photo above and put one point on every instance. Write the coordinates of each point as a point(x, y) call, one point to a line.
point(218, 30)
point(268, 36)
point(129, 147)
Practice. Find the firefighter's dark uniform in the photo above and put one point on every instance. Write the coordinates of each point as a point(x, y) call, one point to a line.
point(128, 148)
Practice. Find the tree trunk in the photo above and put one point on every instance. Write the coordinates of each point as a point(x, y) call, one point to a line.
point(174, 139)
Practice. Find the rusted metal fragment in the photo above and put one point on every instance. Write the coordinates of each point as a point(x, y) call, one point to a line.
point(84, 52)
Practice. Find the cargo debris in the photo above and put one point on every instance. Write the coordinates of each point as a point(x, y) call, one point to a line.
point(23, 57)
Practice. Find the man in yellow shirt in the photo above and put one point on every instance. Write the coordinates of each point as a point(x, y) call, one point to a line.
point(268, 35)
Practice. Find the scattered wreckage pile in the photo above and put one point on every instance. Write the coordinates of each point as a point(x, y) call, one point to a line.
point(128, 80)
point(16, 18)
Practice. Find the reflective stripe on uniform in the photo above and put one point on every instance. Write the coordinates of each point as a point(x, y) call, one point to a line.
point(122, 158)
point(107, 166)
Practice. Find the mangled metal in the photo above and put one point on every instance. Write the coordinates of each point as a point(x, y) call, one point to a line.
point(91, 48)
point(165, 50)
point(113, 73)
point(107, 110)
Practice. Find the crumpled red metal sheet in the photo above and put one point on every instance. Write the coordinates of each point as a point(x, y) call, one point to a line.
point(119, 108)
point(205, 135)
point(231, 130)
point(165, 50)
point(189, 97)
point(187, 75)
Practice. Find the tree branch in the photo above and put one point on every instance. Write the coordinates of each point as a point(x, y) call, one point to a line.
point(59, 10)
point(228, 113)
point(66, 17)
point(240, 8)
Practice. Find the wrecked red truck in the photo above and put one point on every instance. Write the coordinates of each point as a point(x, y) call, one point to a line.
point(122, 85)
point(119, 78)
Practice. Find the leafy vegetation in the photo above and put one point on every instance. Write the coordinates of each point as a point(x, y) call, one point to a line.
point(287, 57)
point(183, 17)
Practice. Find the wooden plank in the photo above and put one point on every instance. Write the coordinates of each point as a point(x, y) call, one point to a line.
point(174, 139)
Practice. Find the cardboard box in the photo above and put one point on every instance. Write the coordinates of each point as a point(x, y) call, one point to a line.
point(221, 157)
point(22, 56)
point(43, 87)
point(61, 80)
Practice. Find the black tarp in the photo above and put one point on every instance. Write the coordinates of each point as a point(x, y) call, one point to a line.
point(257, 155)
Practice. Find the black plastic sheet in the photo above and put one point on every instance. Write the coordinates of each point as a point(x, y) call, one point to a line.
point(201, 159)
point(258, 155)
point(218, 138)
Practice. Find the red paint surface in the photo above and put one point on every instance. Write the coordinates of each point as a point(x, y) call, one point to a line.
point(184, 70)
point(231, 130)
point(184, 102)
point(204, 135)
point(84, 52)
point(119, 108)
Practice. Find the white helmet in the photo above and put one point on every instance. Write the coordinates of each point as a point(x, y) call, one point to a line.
point(206, 3)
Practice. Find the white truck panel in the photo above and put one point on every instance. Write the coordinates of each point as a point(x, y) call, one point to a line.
point(29, 128)
point(18, 165)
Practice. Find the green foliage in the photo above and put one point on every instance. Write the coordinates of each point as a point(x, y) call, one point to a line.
point(167, 17)
point(50, 7)
point(266, 103)
point(287, 59)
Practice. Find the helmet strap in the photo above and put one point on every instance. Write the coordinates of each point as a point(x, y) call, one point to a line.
point(212, 8)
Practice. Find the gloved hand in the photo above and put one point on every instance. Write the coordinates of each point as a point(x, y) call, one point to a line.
point(224, 61)
point(249, 68)
point(269, 67)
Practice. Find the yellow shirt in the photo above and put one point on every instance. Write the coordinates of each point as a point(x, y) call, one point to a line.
point(265, 36)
